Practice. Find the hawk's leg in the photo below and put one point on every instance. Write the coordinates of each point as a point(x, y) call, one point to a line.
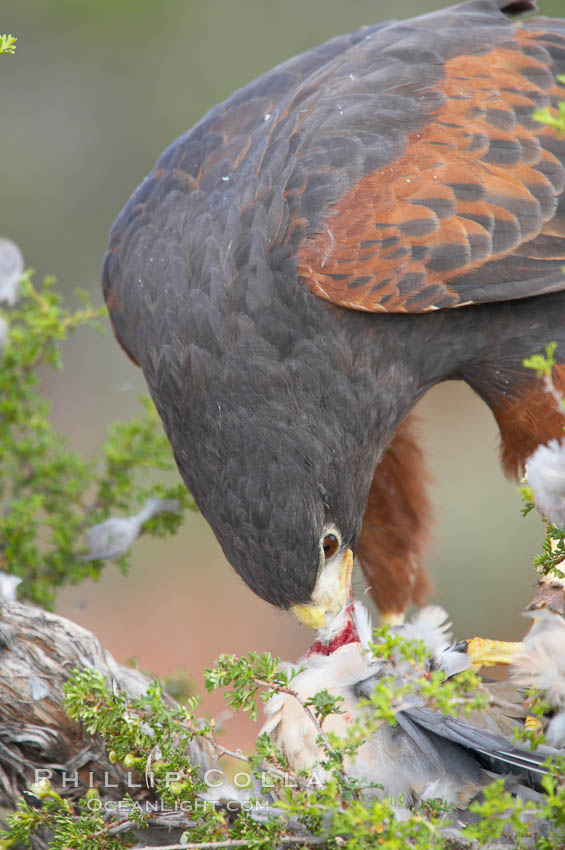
point(396, 527)
point(527, 418)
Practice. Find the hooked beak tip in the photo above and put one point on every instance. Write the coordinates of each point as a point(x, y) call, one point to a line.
point(331, 593)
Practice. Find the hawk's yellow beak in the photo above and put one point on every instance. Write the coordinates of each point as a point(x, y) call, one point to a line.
point(331, 593)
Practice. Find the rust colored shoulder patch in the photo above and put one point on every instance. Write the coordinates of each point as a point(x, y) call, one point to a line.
point(471, 187)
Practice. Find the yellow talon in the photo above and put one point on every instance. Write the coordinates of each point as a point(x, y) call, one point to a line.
point(532, 724)
point(484, 652)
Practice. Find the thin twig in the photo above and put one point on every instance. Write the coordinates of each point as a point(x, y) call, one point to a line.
point(105, 829)
point(220, 751)
point(286, 841)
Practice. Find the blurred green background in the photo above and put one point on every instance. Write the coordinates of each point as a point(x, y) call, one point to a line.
point(93, 94)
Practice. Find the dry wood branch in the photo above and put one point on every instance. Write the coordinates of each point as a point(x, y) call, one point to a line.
point(38, 650)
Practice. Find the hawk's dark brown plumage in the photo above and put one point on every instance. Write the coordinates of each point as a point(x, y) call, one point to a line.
point(286, 278)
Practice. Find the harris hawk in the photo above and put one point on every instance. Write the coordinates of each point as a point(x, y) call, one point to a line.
point(370, 218)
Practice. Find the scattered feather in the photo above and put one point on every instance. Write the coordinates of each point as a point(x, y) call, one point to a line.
point(545, 473)
point(430, 625)
point(363, 623)
point(11, 271)
point(113, 537)
point(8, 585)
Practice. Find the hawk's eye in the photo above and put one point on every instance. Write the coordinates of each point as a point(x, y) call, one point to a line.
point(330, 545)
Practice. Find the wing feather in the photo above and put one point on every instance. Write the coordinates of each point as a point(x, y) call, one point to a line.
point(474, 182)
point(496, 749)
